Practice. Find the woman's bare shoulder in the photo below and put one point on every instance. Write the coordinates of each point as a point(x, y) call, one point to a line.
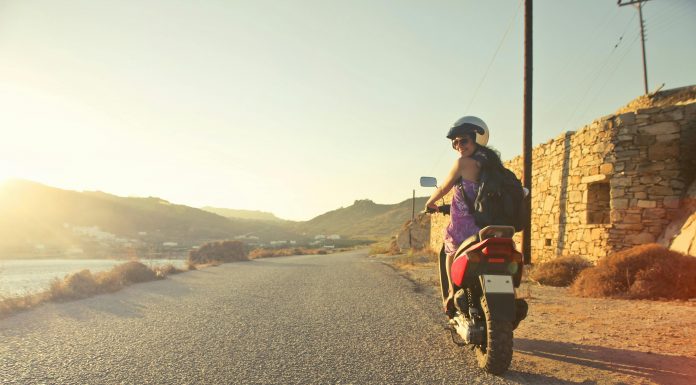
point(467, 161)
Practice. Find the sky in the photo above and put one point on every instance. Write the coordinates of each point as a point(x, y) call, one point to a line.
point(301, 107)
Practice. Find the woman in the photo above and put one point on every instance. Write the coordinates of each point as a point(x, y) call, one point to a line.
point(469, 137)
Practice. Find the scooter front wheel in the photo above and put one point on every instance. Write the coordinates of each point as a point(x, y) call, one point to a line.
point(495, 354)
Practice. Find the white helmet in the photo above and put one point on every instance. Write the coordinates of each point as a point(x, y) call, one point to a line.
point(467, 125)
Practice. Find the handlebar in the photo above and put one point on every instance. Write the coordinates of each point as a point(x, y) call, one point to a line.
point(444, 209)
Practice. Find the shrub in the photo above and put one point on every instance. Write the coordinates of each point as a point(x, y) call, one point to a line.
point(133, 272)
point(559, 272)
point(74, 286)
point(226, 251)
point(379, 248)
point(13, 305)
point(165, 270)
point(85, 284)
point(269, 253)
point(642, 272)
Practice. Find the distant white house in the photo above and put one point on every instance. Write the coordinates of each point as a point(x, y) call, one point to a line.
point(334, 237)
point(320, 236)
point(170, 244)
point(142, 233)
point(278, 243)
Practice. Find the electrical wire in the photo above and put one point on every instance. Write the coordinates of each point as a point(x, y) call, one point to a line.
point(495, 54)
point(589, 74)
point(598, 73)
point(483, 78)
point(584, 52)
point(611, 75)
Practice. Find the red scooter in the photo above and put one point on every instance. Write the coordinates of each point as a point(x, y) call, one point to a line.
point(485, 272)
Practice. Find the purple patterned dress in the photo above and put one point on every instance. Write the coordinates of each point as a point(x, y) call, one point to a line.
point(462, 224)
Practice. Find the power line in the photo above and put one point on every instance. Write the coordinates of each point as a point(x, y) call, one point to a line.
point(583, 53)
point(590, 73)
point(483, 78)
point(611, 74)
point(594, 80)
point(485, 74)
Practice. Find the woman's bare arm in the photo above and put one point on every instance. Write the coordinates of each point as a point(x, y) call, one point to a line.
point(448, 183)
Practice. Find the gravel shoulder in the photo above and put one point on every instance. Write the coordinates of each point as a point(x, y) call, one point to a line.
point(567, 339)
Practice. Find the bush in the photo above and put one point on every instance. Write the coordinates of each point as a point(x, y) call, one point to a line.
point(74, 286)
point(85, 284)
point(559, 272)
point(165, 270)
point(133, 272)
point(642, 272)
point(226, 251)
point(269, 253)
point(379, 248)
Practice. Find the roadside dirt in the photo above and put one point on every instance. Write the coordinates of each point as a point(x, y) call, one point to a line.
point(571, 340)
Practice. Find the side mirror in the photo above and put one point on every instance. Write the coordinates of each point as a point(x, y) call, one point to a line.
point(428, 181)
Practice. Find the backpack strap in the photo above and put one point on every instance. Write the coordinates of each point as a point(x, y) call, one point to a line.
point(467, 200)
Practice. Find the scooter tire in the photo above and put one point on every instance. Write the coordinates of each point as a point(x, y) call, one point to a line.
point(495, 355)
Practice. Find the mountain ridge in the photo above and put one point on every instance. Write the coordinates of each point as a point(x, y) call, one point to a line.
point(44, 220)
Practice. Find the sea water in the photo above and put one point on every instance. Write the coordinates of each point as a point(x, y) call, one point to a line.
point(26, 276)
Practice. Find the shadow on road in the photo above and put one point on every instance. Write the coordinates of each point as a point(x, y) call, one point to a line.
point(658, 368)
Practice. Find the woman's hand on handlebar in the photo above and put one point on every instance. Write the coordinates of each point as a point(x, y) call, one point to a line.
point(431, 208)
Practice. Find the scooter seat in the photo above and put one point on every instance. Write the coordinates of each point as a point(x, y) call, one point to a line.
point(467, 243)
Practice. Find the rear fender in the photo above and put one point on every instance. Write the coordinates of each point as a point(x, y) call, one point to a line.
point(500, 296)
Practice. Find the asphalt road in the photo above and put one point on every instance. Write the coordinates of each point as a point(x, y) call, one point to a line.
point(332, 319)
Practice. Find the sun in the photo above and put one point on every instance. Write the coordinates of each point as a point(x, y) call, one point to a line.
point(6, 173)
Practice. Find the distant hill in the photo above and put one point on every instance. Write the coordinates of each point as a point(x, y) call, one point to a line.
point(242, 214)
point(38, 219)
point(363, 219)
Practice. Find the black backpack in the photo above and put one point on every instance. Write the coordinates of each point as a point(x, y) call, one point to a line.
point(500, 199)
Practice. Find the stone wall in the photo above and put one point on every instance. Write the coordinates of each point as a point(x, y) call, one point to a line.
point(615, 183)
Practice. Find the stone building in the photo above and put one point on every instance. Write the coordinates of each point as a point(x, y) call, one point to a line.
point(615, 183)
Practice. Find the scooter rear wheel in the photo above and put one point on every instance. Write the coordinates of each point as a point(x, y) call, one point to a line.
point(495, 355)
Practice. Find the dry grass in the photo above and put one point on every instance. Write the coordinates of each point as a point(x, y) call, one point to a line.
point(379, 248)
point(84, 283)
point(270, 253)
point(560, 271)
point(165, 270)
point(416, 257)
point(642, 272)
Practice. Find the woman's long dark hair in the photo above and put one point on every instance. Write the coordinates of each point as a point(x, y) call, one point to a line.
point(491, 157)
point(487, 156)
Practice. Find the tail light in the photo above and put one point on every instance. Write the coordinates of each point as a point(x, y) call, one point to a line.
point(497, 250)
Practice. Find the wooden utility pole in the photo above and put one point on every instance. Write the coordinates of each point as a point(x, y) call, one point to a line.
point(527, 142)
point(639, 4)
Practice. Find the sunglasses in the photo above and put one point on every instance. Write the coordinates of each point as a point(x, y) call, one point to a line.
point(460, 142)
